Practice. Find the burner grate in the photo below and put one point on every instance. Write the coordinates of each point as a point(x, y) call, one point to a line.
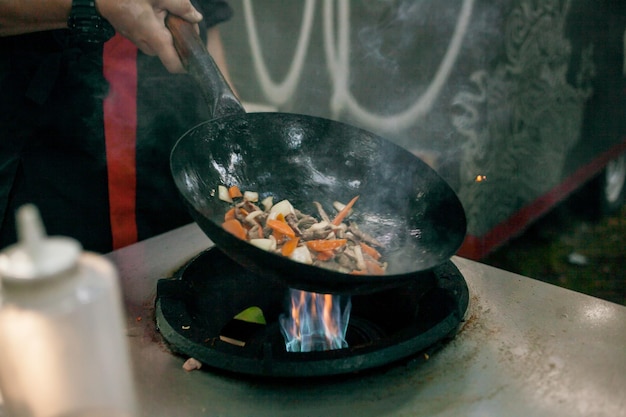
point(193, 306)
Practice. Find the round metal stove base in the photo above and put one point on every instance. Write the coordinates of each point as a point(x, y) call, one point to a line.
point(387, 326)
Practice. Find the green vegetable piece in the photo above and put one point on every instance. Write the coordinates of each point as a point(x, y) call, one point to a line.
point(252, 315)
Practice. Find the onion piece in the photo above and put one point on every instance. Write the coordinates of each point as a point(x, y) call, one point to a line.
point(265, 244)
point(283, 207)
point(223, 194)
point(251, 196)
point(337, 205)
point(267, 203)
point(301, 254)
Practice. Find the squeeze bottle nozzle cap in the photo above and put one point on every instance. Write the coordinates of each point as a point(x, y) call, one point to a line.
point(36, 255)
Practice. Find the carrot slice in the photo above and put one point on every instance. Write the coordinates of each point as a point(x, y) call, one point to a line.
point(325, 255)
point(234, 192)
point(290, 246)
point(373, 268)
point(230, 214)
point(281, 227)
point(323, 245)
point(234, 227)
point(370, 251)
point(344, 212)
point(280, 238)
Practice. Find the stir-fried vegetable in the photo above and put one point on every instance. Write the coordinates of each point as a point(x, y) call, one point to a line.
point(233, 226)
point(282, 229)
point(344, 212)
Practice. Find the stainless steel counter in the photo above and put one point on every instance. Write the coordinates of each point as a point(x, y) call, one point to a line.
point(527, 349)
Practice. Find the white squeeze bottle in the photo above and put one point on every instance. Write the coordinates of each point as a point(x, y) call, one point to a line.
point(63, 348)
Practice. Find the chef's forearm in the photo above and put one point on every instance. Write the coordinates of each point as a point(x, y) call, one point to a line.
point(25, 16)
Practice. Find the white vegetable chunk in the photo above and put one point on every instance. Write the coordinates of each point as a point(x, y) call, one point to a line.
point(283, 207)
point(267, 203)
point(222, 193)
point(251, 196)
point(265, 244)
point(301, 254)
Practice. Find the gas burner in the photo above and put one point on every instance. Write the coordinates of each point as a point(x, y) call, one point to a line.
point(193, 307)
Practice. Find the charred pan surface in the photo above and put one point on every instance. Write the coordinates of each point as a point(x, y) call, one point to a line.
point(403, 202)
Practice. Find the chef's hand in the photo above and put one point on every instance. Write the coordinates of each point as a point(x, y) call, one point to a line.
point(143, 23)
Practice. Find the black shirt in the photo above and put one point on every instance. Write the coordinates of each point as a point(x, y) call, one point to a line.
point(53, 148)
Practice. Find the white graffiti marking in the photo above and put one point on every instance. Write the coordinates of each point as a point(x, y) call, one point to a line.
point(339, 68)
point(337, 52)
point(278, 94)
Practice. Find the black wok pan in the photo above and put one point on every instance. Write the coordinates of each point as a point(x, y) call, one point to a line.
point(403, 202)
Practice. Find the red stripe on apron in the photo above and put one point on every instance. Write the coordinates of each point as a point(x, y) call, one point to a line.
point(120, 123)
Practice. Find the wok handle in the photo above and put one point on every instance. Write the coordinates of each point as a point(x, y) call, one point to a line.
point(202, 68)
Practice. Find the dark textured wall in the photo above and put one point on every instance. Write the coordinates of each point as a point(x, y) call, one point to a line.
point(515, 93)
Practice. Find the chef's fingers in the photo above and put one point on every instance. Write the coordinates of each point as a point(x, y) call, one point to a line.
point(161, 44)
point(143, 23)
point(181, 8)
